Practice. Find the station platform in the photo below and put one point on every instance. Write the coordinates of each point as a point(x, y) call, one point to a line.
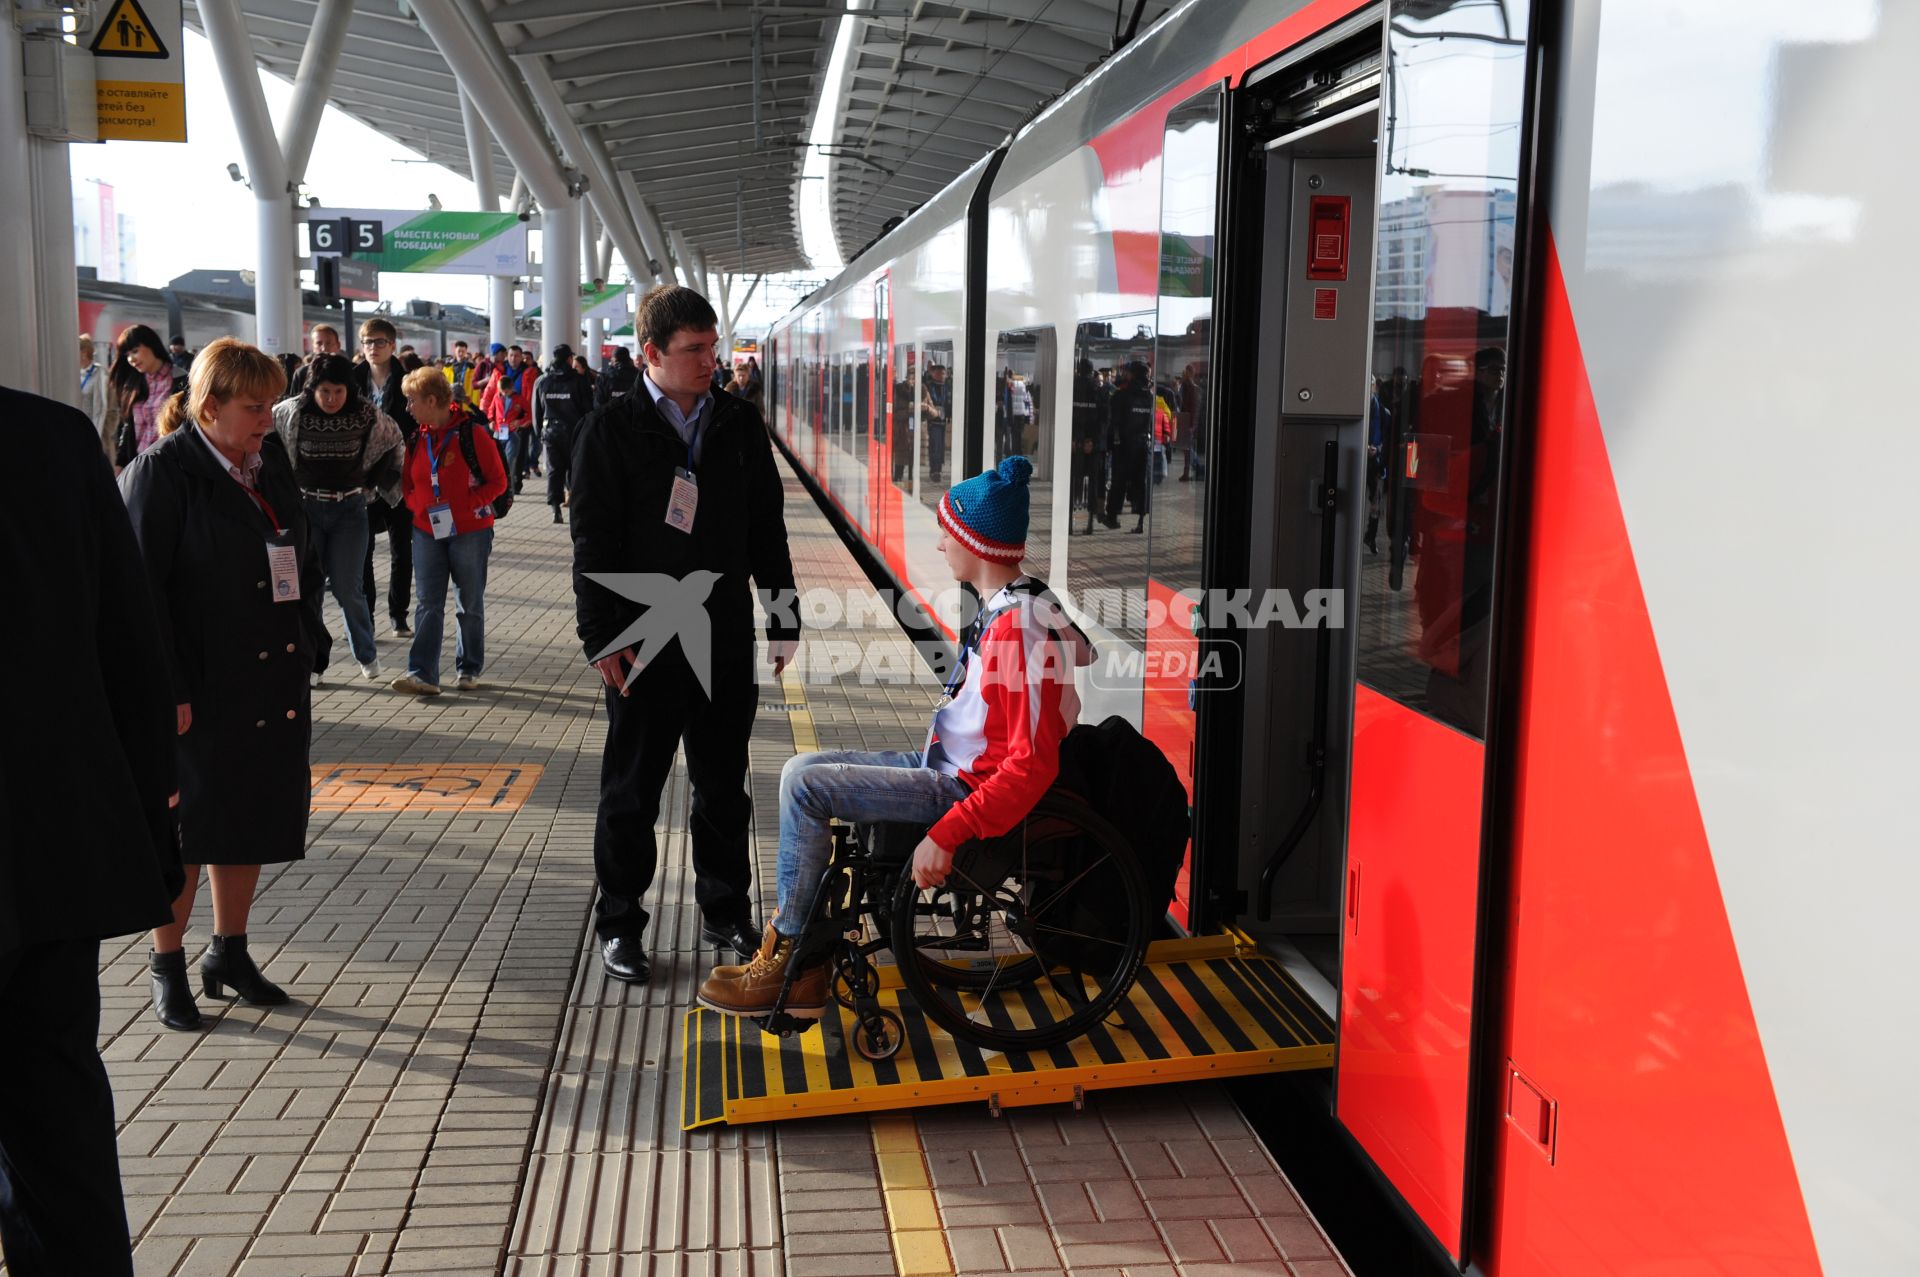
point(458, 1089)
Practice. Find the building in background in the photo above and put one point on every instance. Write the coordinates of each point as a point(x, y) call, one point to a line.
point(104, 240)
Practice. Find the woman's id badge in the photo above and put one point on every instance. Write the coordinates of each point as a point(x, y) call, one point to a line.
point(683, 502)
point(440, 519)
point(283, 565)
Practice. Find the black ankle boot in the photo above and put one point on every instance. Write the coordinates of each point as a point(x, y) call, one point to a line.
point(228, 964)
point(172, 997)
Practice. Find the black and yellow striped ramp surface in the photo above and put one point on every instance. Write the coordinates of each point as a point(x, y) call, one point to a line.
point(1206, 1007)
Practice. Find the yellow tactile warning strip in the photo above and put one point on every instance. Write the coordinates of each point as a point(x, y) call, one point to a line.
point(1207, 1007)
point(913, 1218)
point(502, 787)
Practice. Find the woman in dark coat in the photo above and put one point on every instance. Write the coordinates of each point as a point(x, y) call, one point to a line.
point(221, 527)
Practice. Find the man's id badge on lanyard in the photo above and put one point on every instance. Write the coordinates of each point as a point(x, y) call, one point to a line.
point(283, 567)
point(684, 501)
point(440, 519)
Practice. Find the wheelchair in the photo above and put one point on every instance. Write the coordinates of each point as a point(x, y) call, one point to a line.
point(1031, 941)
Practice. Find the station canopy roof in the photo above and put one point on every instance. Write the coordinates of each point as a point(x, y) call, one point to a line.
point(708, 103)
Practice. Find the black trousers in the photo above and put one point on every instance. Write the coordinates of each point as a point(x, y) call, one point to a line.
point(665, 709)
point(397, 523)
point(60, 1206)
point(559, 455)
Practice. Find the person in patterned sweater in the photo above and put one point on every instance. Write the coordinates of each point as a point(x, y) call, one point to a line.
point(993, 748)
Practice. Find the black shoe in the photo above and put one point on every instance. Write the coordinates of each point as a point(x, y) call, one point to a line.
point(556, 515)
point(172, 997)
point(625, 958)
point(740, 935)
point(401, 629)
point(227, 965)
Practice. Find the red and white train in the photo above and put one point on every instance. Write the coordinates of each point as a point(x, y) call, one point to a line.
point(1589, 815)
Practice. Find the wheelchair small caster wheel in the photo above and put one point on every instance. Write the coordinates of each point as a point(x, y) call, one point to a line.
point(879, 1035)
point(850, 984)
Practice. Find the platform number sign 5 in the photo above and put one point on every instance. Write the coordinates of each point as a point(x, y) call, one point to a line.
point(364, 237)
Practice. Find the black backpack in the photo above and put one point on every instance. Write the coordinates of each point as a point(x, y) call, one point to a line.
point(504, 502)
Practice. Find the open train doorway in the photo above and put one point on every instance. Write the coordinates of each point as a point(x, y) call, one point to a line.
point(1376, 195)
point(1307, 189)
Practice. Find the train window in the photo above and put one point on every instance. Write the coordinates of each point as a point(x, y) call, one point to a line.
point(1107, 567)
point(936, 419)
point(903, 416)
point(1441, 299)
point(861, 418)
point(1025, 367)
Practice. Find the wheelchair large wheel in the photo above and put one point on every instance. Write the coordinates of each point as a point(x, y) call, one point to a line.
point(1035, 935)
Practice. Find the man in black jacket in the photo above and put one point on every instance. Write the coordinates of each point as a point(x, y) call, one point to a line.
point(378, 380)
point(561, 398)
point(86, 841)
point(677, 504)
point(618, 378)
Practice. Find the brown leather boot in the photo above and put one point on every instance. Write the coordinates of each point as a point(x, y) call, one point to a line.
point(753, 989)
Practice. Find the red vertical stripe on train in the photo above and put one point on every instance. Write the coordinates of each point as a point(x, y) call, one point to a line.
point(1626, 1003)
point(1406, 980)
point(1166, 716)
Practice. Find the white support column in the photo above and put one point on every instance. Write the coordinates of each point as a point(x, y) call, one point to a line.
point(605, 257)
point(725, 311)
point(526, 145)
point(486, 190)
point(603, 190)
point(590, 269)
point(41, 311)
point(275, 298)
point(501, 316)
point(651, 235)
point(559, 276)
point(691, 273)
point(486, 187)
point(311, 85)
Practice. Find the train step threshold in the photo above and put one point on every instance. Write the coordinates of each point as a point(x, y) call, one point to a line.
point(1204, 1007)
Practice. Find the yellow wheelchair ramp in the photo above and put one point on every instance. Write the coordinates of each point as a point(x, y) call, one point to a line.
point(1206, 1007)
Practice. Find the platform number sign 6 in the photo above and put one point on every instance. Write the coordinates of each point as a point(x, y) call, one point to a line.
point(326, 236)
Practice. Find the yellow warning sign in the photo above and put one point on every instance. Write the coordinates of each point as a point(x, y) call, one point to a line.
point(127, 32)
point(140, 91)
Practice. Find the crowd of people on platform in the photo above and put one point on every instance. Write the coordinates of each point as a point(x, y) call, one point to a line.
point(202, 507)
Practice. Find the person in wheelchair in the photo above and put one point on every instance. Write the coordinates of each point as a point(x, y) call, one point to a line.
point(992, 751)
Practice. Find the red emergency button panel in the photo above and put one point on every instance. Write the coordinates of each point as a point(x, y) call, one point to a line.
point(1329, 232)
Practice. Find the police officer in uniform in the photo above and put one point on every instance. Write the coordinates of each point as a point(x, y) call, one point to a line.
point(677, 512)
point(562, 397)
point(1130, 428)
point(1089, 425)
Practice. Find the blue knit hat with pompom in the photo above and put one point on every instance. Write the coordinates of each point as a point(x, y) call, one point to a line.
point(988, 513)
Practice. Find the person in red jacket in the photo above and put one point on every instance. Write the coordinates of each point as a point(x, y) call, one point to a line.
point(454, 474)
point(993, 750)
point(508, 403)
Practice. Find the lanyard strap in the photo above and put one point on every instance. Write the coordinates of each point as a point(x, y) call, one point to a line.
point(260, 499)
point(433, 459)
point(693, 439)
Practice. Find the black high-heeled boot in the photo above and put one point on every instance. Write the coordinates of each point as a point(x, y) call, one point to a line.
point(172, 997)
point(228, 964)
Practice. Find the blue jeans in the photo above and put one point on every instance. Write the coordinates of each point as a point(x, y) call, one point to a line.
point(463, 557)
point(857, 787)
point(339, 533)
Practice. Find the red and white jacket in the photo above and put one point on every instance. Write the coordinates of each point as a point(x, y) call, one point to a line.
point(1000, 733)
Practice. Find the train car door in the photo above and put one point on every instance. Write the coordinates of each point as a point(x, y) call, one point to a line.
point(1391, 179)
